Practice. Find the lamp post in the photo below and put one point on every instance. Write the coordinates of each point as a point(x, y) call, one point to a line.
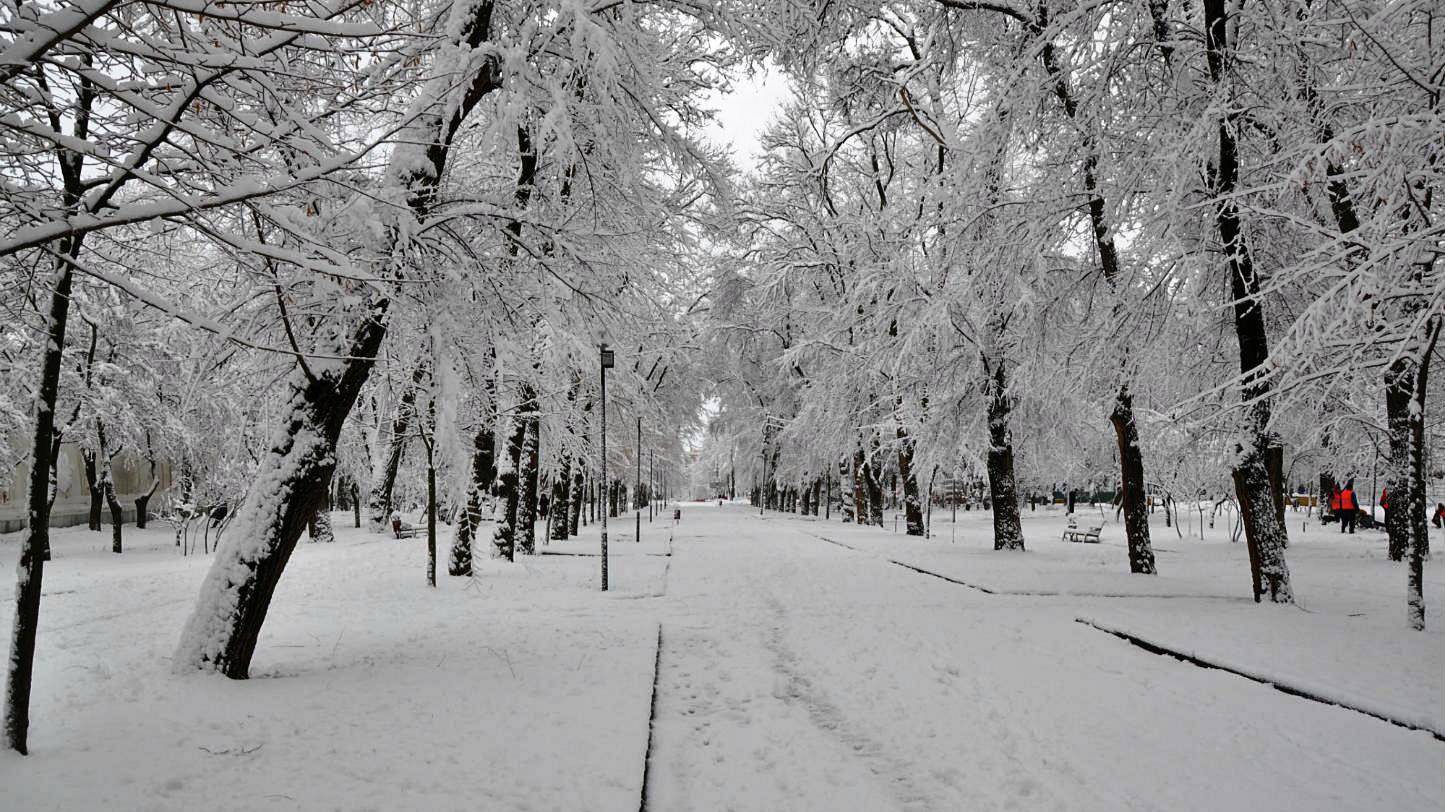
point(651, 482)
point(605, 364)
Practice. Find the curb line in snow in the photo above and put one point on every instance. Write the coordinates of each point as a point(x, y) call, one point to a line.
point(1026, 593)
point(651, 723)
point(1283, 687)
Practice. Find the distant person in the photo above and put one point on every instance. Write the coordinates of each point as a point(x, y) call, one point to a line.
point(1349, 508)
point(1385, 503)
point(1438, 519)
point(1335, 503)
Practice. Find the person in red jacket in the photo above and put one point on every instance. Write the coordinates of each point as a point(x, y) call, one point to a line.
point(1385, 503)
point(1349, 508)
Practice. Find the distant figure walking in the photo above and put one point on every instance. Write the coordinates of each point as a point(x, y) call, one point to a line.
point(1349, 508)
point(1439, 518)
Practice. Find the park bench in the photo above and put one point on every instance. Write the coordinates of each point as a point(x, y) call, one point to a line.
point(402, 530)
point(1088, 534)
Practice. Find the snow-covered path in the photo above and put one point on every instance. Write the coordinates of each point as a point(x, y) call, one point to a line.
point(797, 674)
point(794, 674)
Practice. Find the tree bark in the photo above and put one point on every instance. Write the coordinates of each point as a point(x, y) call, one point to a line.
point(504, 535)
point(92, 483)
point(561, 508)
point(1131, 458)
point(31, 568)
point(527, 478)
point(912, 505)
point(1008, 531)
point(1263, 528)
point(290, 487)
point(872, 486)
point(482, 474)
point(378, 502)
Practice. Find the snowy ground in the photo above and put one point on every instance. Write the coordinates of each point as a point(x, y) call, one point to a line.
point(794, 674)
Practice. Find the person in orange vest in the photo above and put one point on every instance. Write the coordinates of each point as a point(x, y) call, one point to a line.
point(1349, 508)
point(1335, 501)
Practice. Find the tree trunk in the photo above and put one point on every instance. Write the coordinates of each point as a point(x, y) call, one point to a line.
point(322, 531)
point(431, 522)
point(1131, 459)
point(1399, 394)
point(872, 488)
point(290, 486)
point(527, 478)
point(574, 504)
point(504, 535)
point(92, 482)
point(481, 476)
point(378, 502)
point(1266, 533)
point(1008, 531)
point(31, 568)
point(912, 505)
point(560, 509)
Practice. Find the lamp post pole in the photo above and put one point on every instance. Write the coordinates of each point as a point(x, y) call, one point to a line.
point(605, 364)
point(651, 482)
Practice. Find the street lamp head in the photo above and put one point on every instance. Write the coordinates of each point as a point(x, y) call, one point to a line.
point(606, 357)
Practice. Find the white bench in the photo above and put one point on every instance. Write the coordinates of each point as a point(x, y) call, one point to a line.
point(1088, 534)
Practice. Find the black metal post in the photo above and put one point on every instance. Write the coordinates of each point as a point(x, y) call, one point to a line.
point(606, 363)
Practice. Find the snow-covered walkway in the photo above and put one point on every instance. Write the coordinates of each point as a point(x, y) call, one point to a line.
point(798, 674)
point(794, 674)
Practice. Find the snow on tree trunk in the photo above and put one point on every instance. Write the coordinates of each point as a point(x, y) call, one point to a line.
point(97, 498)
point(560, 509)
point(378, 501)
point(322, 531)
point(1412, 499)
point(431, 522)
point(504, 535)
point(872, 487)
point(290, 486)
point(528, 476)
point(1008, 531)
point(31, 568)
point(912, 505)
point(1132, 499)
point(481, 476)
point(1399, 396)
point(1265, 533)
point(574, 512)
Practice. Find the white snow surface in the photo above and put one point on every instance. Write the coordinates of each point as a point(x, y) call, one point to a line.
point(794, 674)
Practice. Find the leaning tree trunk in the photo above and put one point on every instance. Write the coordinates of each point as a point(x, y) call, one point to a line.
point(142, 502)
point(290, 486)
point(1008, 533)
point(912, 505)
point(106, 487)
point(847, 491)
point(31, 568)
point(1136, 510)
point(1265, 533)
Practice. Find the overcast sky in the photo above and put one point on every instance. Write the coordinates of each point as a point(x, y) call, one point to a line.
point(743, 113)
